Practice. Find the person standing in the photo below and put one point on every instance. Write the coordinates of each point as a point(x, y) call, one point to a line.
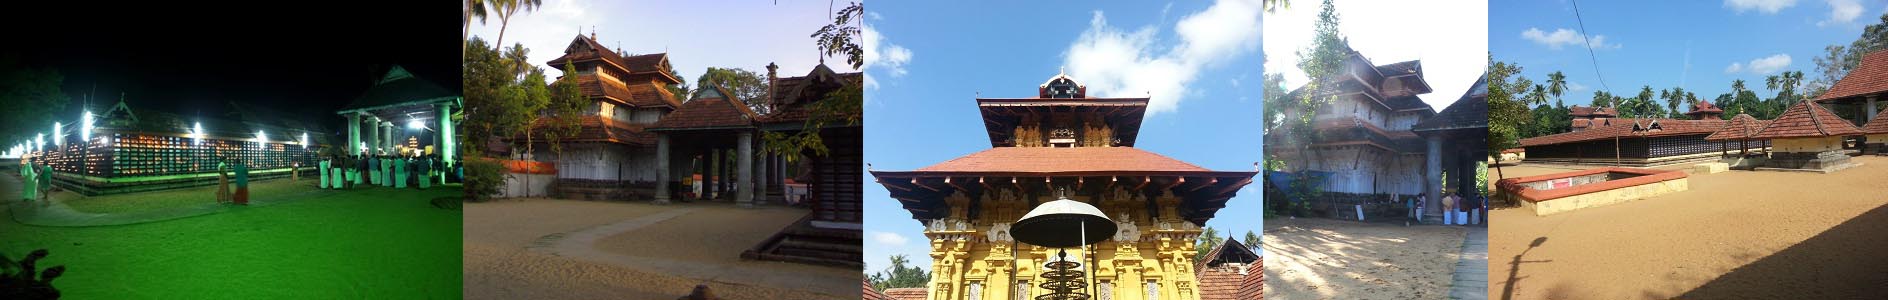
point(399, 173)
point(45, 182)
point(324, 172)
point(222, 181)
point(242, 183)
point(27, 180)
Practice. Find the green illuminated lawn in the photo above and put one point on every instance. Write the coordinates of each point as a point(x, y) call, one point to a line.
point(363, 244)
point(145, 201)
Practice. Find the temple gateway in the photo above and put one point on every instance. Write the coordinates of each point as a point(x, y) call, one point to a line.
point(1063, 143)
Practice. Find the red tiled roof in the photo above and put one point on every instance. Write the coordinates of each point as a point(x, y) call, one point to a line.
point(906, 293)
point(1871, 76)
point(1704, 107)
point(1583, 111)
point(594, 128)
point(1059, 160)
point(637, 95)
point(718, 112)
point(651, 64)
point(1581, 123)
point(1877, 125)
point(793, 94)
point(1219, 280)
point(871, 294)
point(1219, 283)
point(1253, 286)
point(1624, 128)
point(1807, 119)
point(1741, 127)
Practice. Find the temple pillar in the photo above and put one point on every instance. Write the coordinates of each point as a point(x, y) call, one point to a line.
point(446, 147)
point(662, 168)
point(1869, 106)
point(393, 135)
point(374, 136)
point(744, 192)
point(353, 133)
point(758, 163)
point(1432, 177)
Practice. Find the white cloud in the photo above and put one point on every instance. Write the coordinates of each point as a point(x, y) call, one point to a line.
point(1764, 6)
point(1761, 65)
point(1575, 87)
point(1564, 37)
point(1449, 37)
point(1842, 12)
point(883, 56)
point(888, 239)
point(1116, 63)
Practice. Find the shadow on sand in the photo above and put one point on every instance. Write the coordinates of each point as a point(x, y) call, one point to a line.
point(1844, 262)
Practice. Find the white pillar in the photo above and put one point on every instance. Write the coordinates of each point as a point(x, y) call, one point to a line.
point(1870, 107)
point(662, 168)
point(1432, 179)
point(373, 137)
point(446, 147)
point(353, 133)
point(744, 165)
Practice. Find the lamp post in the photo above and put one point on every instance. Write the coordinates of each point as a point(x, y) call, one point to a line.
point(1065, 223)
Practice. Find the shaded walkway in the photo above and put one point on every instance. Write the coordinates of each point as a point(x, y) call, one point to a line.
point(1471, 272)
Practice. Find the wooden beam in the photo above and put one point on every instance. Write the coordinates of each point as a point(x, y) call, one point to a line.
point(1210, 181)
point(914, 181)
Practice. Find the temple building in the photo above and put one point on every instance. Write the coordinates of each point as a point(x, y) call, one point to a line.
point(1703, 110)
point(834, 181)
point(1877, 134)
point(1364, 147)
point(1859, 91)
point(1739, 131)
point(1640, 142)
point(1807, 137)
point(613, 155)
point(122, 150)
point(403, 115)
point(1225, 270)
point(1377, 140)
point(1584, 117)
point(1062, 143)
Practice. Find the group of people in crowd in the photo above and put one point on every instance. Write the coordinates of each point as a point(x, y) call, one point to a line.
point(36, 181)
point(350, 171)
point(1456, 207)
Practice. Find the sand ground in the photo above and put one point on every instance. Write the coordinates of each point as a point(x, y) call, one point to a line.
point(1310, 258)
point(565, 249)
point(1737, 234)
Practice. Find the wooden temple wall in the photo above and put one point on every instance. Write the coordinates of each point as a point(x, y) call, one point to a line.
point(1641, 148)
point(1368, 170)
point(608, 162)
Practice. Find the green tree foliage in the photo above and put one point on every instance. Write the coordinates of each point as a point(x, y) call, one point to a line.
point(1507, 108)
point(839, 38)
point(680, 90)
point(563, 113)
point(842, 106)
point(1209, 239)
point(1837, 60)
point(1251, 240)
point(33, 99)
point(746, 85)
point(899, 275)
point(483, 177)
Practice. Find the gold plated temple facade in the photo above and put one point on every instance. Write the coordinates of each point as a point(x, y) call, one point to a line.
point(1144, 260)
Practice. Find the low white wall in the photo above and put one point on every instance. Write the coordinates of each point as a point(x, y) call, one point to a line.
point(526, 185)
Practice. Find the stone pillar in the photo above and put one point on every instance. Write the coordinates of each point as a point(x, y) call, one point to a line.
point(662, 168)
point(393, 135)
point(744, 192)
point(374, 137)
point(446, 146)
point(1432, 177)
point(1870, 107)
point(353, 133)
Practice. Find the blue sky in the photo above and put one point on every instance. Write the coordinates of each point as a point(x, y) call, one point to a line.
point(1198, 60)
point(696, 34)
point(1450, 37)
point(1699, 45)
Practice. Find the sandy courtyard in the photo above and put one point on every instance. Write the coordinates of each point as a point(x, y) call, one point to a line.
point(1738, 234)
point(1310, 258)
point(564, 249)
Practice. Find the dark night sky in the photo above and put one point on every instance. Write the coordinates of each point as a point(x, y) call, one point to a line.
point(192, 59)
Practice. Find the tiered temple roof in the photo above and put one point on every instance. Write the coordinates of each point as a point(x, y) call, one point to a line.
point(1741, 127)
point(1869, 77)
point(1468, 112)
point(792, 95)
point(631, 80)
point(1704, 110)
point(1807, 119)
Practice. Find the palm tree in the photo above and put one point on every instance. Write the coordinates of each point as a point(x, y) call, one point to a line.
point(515, 58)
point(1672, 99)
point(509, 8)
point(1556, 84)
point(1737, 87)
point(472, 9)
